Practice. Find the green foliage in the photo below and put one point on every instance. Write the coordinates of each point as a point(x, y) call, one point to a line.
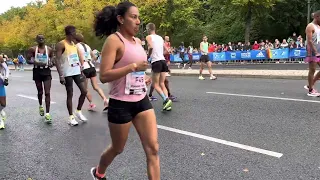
point(222, 21)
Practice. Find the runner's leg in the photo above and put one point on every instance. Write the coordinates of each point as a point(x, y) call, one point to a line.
point(3, 104)
point(119, 135)
point(47, 89)
point(82, 97)
point(146, 126)
point(40, 94)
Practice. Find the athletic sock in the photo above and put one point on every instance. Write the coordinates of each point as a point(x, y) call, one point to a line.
point(164, 97)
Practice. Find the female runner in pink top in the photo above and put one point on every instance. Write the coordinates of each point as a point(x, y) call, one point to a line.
point(123, 65)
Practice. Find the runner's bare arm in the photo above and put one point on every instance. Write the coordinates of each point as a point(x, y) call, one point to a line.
point(52, 60)
point(60, 47)
point(30, 54)
point(309, 31)
point(80, 57)
point(201, 50)
point(93, 56)
point(109, 52)
point(150, 47)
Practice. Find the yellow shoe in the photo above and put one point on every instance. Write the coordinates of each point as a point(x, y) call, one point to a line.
point(2, 126)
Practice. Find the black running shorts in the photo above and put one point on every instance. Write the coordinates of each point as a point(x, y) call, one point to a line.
point(121, 112)
point(159, 66)
point(90, 72)
point(41, 74)
point(204, 58)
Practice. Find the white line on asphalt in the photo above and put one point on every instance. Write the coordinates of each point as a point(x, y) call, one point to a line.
point(224, 142)
point(264, 97)
point(33, 98)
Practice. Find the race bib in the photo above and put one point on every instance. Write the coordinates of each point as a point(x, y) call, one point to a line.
point(74, 60)
point(42, 58)
point(135, 83)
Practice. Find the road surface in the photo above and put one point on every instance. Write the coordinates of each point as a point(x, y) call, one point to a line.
point(228, 129)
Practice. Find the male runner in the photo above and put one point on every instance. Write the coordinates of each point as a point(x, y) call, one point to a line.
point(167, 51)
point(313, 53)
point(90, 71)
point(4, 74)
point(182, 51)
point(69, 69)
point(42, 55)
point(204, 59)
point(159, 65)
point(190, 51)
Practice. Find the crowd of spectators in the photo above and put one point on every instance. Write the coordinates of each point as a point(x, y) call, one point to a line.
point(293, 41)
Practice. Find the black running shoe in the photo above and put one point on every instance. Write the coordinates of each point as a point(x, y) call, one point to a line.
point(94, 176)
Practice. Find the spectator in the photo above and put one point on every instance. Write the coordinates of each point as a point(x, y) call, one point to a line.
point(284, 44)
point(262, 46)
point(292, 38)
point(270, 45)
point(255, 46)
point(229, 47)
point(293, 45)
point(211, 48)
point(239, 47)
point(21, 61)
point(276, 44)
point(219, 48)
point(247, 47)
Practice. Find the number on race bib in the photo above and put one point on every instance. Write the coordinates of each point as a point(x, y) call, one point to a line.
point(135, 83)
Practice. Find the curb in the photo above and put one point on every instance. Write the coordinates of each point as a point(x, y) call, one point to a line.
point(225, 75)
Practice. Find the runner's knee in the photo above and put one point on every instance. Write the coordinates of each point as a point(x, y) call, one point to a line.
point(47, 94)
point(117, 150)
point(152, 149)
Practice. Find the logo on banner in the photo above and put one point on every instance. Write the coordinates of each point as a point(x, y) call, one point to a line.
point(260, 55)
point(233, 55)
point(218, 56)
point(246, 55)
point(297, 53)
point(195, 57)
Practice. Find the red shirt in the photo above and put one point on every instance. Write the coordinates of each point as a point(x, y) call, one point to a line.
point(256, 47)
point(211, 48)
point(168, 46)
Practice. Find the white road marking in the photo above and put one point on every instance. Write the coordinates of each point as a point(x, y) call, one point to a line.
point(33, 98)
point(15, 76)
point(224, 142)
point(264, 97)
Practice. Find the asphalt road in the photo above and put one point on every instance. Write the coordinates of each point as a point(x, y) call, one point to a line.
point(264, 114)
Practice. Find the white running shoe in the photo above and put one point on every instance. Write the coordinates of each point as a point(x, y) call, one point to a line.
point(81, 116)
point(3, 115)
point(72, 121)
point(201, 78)
point(212, 77)
point(2, 126)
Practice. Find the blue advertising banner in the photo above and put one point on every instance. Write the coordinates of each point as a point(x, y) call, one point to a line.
point(247, 55)
point(232, 56)
point(298, 53)
point(279, 53)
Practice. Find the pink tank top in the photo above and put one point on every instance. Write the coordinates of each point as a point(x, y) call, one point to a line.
point(132, 87)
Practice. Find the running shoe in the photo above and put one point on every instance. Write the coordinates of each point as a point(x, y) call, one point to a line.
point(48, 118)
point(190, 68)
point(41, 111)
point(2, 126)
point(3, 115)
point(212, 77)
point(167, 103)
point(201, 78)
point(94, 176)
point(313, 93)
point(153, 98)
point(173, 98)
point(168, 74)
point(91, 107)
point(81, 116)
point(72, 121)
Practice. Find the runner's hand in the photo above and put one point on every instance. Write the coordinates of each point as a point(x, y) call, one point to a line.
point(6, 82)
point(148, 80)
point(62, 80)
point(142, 66)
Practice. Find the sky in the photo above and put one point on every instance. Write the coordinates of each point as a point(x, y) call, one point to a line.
point(6, 4)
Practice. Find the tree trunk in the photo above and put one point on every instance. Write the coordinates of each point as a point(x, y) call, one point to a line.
point(248, 22)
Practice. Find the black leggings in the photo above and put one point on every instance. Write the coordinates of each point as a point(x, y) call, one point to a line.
point(69, 87)
point(47, 87)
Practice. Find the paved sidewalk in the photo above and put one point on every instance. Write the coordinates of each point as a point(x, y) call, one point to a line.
point(244, 73)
